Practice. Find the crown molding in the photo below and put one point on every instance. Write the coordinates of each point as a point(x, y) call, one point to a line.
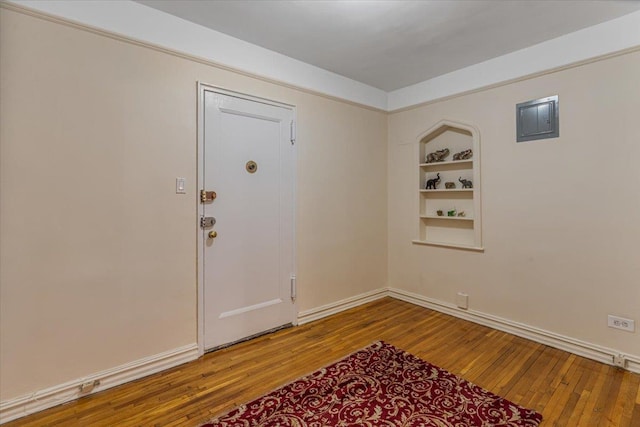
point(146, 25)
point(573, 49)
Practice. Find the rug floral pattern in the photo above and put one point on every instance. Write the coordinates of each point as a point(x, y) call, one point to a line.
point(380, 386)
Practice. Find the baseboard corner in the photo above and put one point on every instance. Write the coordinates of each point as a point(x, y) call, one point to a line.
point(339, 306)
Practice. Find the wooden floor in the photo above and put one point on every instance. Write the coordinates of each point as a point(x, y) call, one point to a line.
point(568, 390)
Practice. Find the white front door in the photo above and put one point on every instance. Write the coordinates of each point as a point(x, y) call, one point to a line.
point(248, 266)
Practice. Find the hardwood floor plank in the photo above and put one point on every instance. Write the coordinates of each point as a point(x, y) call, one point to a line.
point(583, 393)
point(567, 389)
point(544, 370)
point(624, 404)
point(605, 405)
point(519, 382)
point(591, 411)
point(563, 388)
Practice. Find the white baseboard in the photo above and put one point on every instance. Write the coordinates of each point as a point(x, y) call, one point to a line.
point(342, 305)
point(47, 398)
point(552, 339)
point(56, 395)
point(562, 342)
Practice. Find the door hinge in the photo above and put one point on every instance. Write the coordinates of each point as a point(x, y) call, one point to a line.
point(207, 196)
point(293, 287)
point(293, 132)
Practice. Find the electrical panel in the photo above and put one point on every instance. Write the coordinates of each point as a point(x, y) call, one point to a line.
point(538, 119)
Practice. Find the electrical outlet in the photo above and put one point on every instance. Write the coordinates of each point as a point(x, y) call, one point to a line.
point(620, 361)
point(621, 323)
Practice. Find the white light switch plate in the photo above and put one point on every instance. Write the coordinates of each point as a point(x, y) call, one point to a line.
point(180, 186)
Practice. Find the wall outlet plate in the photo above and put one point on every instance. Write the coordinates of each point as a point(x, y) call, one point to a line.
point(462, 300)
point(622, 323)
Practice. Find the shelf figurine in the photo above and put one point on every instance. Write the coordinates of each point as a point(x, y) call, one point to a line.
point(439, 212)
point(432, 184)
point(449, 185)
point(465, 183)
point(463, 155)
point(461, 213)
point(437, 156)
point(451, 213)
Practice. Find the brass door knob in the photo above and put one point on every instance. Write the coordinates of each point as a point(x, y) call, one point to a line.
point(213, 234)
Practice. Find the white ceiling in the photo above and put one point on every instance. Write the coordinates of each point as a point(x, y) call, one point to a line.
point(394, 44)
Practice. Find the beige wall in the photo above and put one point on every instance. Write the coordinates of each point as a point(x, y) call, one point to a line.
point(98, 253)
point(560, 216)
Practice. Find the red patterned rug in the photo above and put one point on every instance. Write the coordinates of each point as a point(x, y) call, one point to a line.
point(380, 386)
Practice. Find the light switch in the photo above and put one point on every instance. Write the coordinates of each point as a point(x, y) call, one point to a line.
point(180, 186)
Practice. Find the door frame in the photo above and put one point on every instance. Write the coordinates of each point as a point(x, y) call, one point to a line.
point(201, 89)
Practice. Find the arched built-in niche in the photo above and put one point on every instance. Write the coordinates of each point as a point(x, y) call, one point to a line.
point(449, 217)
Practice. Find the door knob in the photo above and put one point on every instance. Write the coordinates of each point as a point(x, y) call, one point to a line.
point(213, 234)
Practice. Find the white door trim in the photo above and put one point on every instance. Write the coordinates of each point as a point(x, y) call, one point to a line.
point(202, 88)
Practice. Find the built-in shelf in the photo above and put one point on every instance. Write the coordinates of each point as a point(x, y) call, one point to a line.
point(452, 162)
point(449, 245)
point(455, 218)
point(449, 231)
point(447, 190)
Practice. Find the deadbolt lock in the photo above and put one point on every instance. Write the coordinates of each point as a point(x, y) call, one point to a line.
point(207, 196)
point(207, 221)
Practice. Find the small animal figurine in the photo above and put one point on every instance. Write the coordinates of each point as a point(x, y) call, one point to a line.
point(449, 185)
point(439, 212)
point(451, 213)
point(465, 183)
point(432, 184)
point(463, 155)
point(461, 213)
point(437, 156)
